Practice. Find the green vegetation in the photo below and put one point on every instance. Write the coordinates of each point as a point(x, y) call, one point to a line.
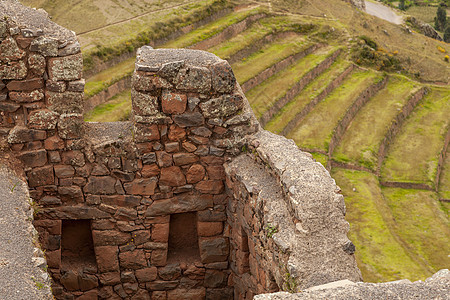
point(116, 109)
point(440, 21)
point(413, 155)
point(422, 225)
point(316, 129)
point(312, 90)
point(268, 56)
point(362, 139)
point(444, 185)
point(263, 96)
point(106, 78)
point(319, 157)
point(424, 13)
point(380, 253)
point(116, 39)
point(211, 29)
point(257, 31)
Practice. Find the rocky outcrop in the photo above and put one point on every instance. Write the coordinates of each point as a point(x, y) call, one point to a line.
point(360, 4)
point(435, 287)
point(424, 28)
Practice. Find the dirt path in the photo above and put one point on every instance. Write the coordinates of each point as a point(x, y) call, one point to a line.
point(383, 12)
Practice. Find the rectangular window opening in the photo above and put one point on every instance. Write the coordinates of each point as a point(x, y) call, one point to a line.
point(77, 247)
point(183, 240)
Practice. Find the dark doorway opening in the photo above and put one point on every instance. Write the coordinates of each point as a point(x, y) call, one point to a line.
point(183, 240)
point(77, 247)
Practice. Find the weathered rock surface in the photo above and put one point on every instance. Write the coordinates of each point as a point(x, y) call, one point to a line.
point(435, 287)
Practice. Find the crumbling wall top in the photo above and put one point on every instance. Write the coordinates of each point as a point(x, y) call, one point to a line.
point(34, 22)
point(149, 59)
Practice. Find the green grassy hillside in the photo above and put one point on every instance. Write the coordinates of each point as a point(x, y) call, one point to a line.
point(385, 155)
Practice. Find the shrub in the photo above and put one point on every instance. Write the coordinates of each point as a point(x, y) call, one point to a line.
point(447, 34)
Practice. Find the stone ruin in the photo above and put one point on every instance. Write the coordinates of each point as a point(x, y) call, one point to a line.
point(191, 199)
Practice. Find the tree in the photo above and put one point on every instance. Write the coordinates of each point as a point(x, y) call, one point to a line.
point(440, 21)
point(447, 34)
point(401, 5)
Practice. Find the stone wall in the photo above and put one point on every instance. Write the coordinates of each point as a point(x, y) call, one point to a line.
point(140, 209)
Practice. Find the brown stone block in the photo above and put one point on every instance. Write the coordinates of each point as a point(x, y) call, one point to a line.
point(176, 133)
point(89, 295)
point(10, 51)
point(160, 285)
point(164, 159)
point(107, 258)
point(146, 132)
point(143, 186)
point(210, 187)
point(173, 103)
point(133, 259)
point(146, 274)
point(215, 279)
point(181, 159)
point(40, 176)
point(144, 104)
point(172, 176)
point(74, 158)
point(110, 278)
point(63, 171)
point(187, 294)
point(216, 172)
point(213, 249)
point(13, 70)
point(26, 97)
point(65, 68)
point(180, 203)
point(159, 257)
point(141, 295)
point(110, 237)
point(211, 216)
point(195, 173)
point(25, 85)
point(53, 259)
point(189, 147)
point(158, 295)
point(121, 200)
point(160, 233)
point(149, 83)
point(100, 185)
point(21, 134)
point(23, 42)
point(35, 158)
point(43, 119)
point(150, 170)
point(209, 228)
point(54, 143)
point(52, 226)
point(65, 103)
point(140, 236)
point(212, 160)
point(70, 126)
point(87, 282)
point(71, 194)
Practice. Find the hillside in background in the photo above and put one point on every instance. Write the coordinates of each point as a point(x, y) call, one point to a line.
point(368, 99)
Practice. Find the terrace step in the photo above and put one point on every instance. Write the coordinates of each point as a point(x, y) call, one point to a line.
point(413, 155)
point(362, 139)
point(299, 85)
point(293, 112)
point(314, 132)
